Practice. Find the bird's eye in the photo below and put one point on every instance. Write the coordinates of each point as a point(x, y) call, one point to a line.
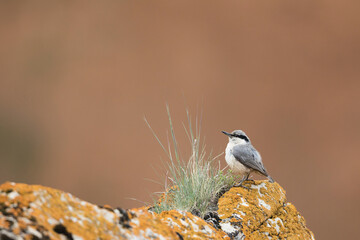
point(243, 137)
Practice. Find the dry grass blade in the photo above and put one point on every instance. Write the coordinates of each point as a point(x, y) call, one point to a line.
point(196, 182)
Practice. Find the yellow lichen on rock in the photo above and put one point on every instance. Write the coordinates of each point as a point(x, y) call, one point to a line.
point(190, 226)
point(250, 207)
point(37, 211)
point(260, 211)
point(143, 221)
point(53, 208)
point(287, 223)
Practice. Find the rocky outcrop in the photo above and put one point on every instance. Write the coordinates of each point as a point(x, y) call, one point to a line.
point(260, 211)
point(37, 212)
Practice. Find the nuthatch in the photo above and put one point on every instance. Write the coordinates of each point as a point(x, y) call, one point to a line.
point(242, 157)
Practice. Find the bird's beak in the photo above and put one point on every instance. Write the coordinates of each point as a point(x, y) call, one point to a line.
point(226, 133)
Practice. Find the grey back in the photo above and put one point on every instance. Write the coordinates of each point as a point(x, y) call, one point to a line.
point(250, 157)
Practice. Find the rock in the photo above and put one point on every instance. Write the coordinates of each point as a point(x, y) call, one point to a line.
point(190, 226)
point(260, 212)
point(37, 212)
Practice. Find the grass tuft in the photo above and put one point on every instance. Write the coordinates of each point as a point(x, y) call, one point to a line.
point(194, 184)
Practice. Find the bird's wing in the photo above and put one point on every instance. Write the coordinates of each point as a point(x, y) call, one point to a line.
point(250, 157)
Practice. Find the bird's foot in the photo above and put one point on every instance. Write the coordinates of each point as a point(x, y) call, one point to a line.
point(241, 185)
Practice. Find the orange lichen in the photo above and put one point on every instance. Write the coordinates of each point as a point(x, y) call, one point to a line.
point(151, 222)
point(259, 212)
point(287, 223)
point(250, 207)
point(39, 212)
point(190, 226)
point(50, 208)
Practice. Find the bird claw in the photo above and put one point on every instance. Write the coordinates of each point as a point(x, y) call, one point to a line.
point(240, 185)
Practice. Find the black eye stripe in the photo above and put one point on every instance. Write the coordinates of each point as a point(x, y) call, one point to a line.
point(242, 137)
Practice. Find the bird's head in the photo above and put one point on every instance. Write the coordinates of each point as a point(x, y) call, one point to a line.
point(237, 137)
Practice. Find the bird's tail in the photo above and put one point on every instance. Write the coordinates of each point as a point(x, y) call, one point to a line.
point(270, 179)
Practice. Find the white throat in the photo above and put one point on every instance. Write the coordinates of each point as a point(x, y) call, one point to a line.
point(237, 141)
point(235, 165)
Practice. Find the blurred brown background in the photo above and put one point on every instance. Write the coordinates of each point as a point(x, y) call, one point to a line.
point(77, 78)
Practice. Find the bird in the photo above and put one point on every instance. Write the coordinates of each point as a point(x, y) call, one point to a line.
point(242, 157)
